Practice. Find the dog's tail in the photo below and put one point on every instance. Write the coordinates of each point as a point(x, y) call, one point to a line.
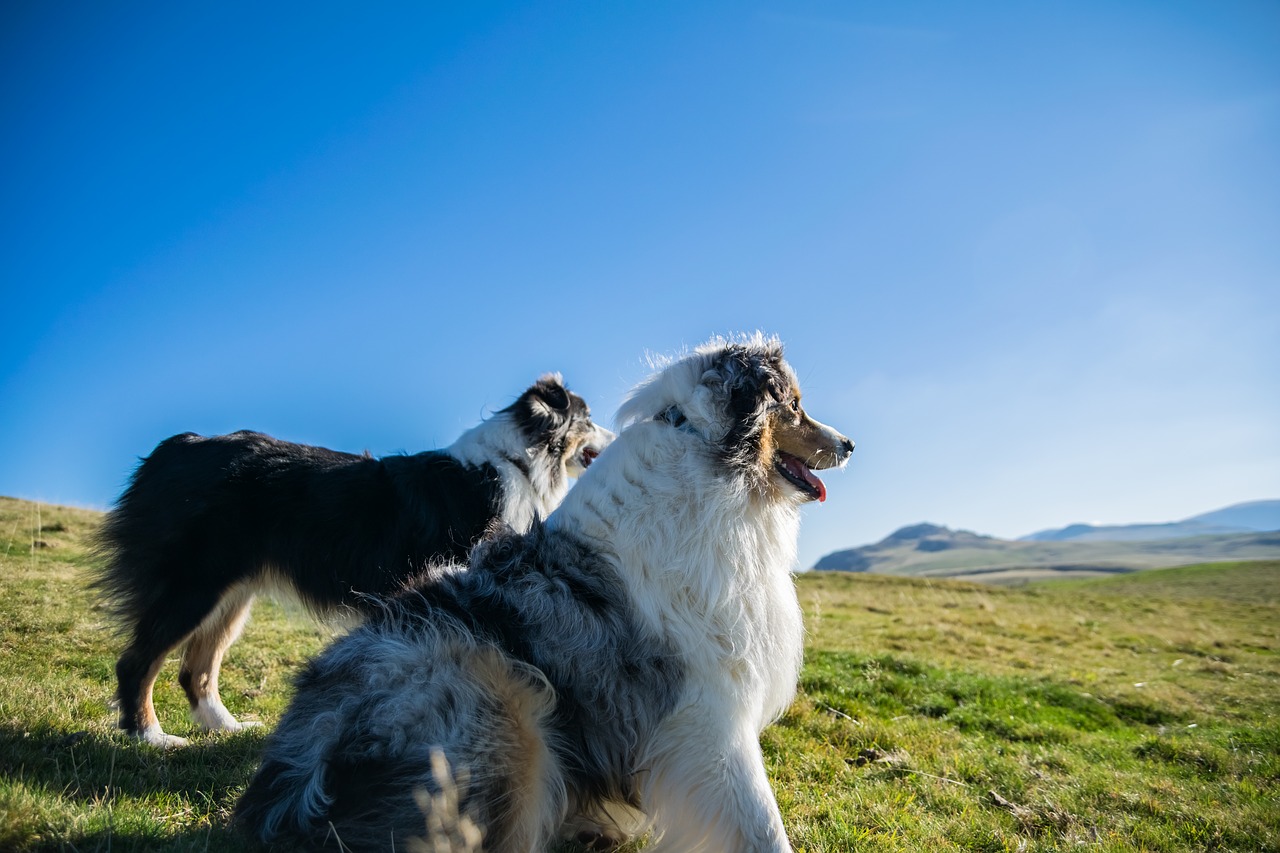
point(137, 535)
point(284, 800)
point(173, 522)
point(362, 803)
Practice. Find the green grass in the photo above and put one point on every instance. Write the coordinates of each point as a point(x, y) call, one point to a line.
point(68, 779)
point(1132, 713)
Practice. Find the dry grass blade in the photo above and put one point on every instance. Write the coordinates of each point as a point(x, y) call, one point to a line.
point(448, 830)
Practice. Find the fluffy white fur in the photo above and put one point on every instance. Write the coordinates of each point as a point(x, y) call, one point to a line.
point(695, 541)
point(707, 564)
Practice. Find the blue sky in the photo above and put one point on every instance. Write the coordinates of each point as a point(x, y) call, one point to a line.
point(1026, 254)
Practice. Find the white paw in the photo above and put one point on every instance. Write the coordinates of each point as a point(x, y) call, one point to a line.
point(212, 716)
point(156, 737)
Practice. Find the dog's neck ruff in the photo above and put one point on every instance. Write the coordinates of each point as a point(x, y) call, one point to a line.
point(699, 553)
point(532, 488)
point(521, 465)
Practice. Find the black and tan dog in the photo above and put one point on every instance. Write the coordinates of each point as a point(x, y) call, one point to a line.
point(207, 523)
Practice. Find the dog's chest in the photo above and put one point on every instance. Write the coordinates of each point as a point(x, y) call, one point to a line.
point(778, 644)
point(751, 643)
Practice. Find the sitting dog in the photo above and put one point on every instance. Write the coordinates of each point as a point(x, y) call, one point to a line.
point(619, 659)
point(206, 523)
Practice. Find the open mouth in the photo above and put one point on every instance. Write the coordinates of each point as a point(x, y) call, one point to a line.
point(798, 474)
point(587, 456)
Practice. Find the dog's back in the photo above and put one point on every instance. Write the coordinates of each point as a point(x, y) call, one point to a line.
point(206, 523)
point(204, 514)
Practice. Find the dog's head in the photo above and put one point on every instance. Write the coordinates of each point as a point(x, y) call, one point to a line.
point(742, 397)
point(556, 424)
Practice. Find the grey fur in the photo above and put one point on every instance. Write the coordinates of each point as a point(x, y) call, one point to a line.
point(542, 612)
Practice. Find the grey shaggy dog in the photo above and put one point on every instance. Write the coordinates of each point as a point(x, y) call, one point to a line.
point(609, 670)
point(534, 611)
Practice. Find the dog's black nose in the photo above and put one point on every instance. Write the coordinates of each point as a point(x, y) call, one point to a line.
point(846, 447)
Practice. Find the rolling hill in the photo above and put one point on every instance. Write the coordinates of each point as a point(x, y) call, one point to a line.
point(929, 550)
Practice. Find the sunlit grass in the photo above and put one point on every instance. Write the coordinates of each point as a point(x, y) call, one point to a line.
point(1135, 713)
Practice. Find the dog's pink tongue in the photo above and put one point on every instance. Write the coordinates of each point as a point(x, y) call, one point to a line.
point(817, 484)
point(801, 470)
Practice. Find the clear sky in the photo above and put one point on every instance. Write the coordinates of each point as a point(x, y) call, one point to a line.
point(1026, 254)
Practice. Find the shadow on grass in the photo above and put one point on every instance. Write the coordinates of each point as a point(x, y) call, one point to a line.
point(91, 766)
point(212, 839)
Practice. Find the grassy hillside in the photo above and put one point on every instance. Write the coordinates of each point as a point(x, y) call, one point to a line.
point(1134, 713)
point(937, 552)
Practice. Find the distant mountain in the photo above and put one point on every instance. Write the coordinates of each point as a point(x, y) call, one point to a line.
point(931, 550)
point(1130, 532)
point(922, 538)
point(1252, 517)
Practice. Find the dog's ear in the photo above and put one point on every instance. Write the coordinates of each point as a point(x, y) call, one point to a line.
point(735, 386)
point(549, 390)
point(742, 373)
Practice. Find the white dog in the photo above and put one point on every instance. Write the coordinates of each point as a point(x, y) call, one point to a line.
point(619, 660)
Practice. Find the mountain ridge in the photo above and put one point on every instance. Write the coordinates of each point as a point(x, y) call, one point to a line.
point(933, 550)
point(1247, 517)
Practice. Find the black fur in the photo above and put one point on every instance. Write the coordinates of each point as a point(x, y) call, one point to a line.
point(205, 513)
point(206, 521)
point(750, 376)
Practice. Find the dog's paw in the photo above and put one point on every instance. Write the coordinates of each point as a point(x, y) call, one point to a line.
point(212, 716)
point(155, 736)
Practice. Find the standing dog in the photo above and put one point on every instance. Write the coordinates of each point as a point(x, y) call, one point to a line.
point(206, 523)
point(619, 660)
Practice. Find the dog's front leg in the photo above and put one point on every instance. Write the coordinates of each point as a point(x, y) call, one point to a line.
point(706, 789)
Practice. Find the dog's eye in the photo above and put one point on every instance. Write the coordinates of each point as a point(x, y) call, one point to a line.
point(795, 404)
